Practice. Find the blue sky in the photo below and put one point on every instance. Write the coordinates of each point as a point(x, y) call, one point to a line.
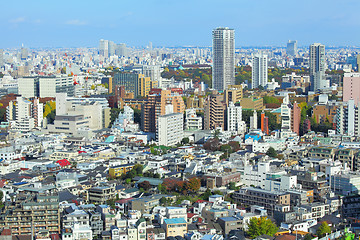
point(79, 23)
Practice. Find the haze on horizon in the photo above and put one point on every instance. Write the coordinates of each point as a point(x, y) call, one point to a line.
point(178, 23)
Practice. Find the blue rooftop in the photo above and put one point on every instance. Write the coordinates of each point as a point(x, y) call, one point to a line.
point(175, 221)
point(228, 219)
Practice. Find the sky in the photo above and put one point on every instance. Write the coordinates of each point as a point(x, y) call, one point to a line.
point(170, 23)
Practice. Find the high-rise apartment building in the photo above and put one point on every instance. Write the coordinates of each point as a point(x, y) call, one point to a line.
point(235, 123)
point(223, 58)
point(291, 48)
point(358, 62)
point(155, 107)
point(24, 115)
point(351, 87)
point(259, 70)
point(170, 129)
point(32, 214)
point(317, 66)
point(153, 72)
point(214, 115)
point(347, 119)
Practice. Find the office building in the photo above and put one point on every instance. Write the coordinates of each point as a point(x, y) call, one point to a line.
point(170, 129)
point(153, 72)
point(45, 86)
point(317, 66)
point(214, 115)
point(259, 70)
point(291, 48)
point(264, 123)
point(121, 50)
point(235, 124)
point(223, 73)
point(104, 48)
point(351, 87)
point(133, 82)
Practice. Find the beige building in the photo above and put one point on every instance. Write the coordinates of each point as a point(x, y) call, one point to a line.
point(175, 227)
point(234, 94)
point(214, 115)
point(252, 103)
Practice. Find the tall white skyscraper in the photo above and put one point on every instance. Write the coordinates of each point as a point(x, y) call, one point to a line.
point(291, 48)
point(223, 58)
point(317, 66)
point(259, 70)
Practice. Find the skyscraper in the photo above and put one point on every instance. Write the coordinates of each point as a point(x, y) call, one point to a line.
point(317, 66)
point(104, 48)
point(259, 70)
point(223, 58)
point(291, 48)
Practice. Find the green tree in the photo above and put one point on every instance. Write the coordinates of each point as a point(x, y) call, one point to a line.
point(114, 113)
point(232, 186)
point(185, 140)
point(323, 230)
point(206, 194)
point(138, 168)
point(271, 152)
point(128, 180)
point(308, 236)
point(260, 226)
point(2, 114)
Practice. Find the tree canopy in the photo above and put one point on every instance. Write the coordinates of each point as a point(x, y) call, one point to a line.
point(323, 230)
point(260, 226)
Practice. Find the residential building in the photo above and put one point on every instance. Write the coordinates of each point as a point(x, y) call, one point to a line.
point(101, 194)
point(117, 171)
point(259, 70)
point(347, 119)
point(223, 58)
point(351, 87)
point(255, 196)
point(40, 212)
point(235, 124)
point(192, 121)
point(155, 106)
point(214, 115)
point(24, 115)
point(229, 223)
point(317, 67)
point(170, 129)
point(175, 227)
point(345, 183)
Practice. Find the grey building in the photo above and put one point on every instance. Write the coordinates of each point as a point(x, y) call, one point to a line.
point(317, 66)
point(223, 58)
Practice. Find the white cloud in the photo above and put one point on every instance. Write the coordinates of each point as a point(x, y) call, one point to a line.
point(76, 22)
point(17, 20)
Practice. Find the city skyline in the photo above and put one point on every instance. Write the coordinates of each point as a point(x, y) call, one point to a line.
point(71, 24)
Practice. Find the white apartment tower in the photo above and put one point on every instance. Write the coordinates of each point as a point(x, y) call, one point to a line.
point(317, 66)
point(234, 118)
point(285, 117)
point(223, 58)
point(259, 70)
point(253, 120)
point(347, 119)
point(170, 129)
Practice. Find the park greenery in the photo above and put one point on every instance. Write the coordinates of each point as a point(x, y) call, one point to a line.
point(323, 230)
